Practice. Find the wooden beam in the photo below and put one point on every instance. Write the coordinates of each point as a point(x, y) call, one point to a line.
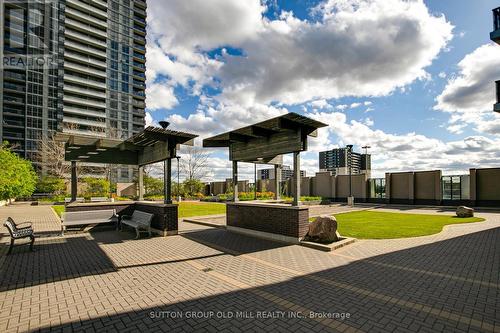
point(262, 131)
point(237, 137)
point(215, 143)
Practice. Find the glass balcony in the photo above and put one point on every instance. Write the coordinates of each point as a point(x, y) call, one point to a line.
point(495, 34)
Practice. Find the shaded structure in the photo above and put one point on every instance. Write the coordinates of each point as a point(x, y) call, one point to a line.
point(152, 145)
point(264, 143)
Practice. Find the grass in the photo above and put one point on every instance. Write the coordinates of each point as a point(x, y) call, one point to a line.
point(186, 209)
point(190, 209)
point(59, 209)
point(384, 225)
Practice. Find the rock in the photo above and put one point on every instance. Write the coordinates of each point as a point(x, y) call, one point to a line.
point(464, 211)
point(323, 230)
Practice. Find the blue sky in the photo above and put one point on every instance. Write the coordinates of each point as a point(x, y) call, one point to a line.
point(412, 79)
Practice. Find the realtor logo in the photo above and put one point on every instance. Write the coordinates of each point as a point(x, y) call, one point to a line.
point(29, 34)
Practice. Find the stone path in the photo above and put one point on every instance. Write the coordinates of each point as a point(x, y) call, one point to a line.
point(207, 279)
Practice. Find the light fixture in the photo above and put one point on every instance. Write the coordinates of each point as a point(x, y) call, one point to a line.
point(74, 147)
point(92, 153)
point(101, 149)
point(83, 156)
point(164, 124)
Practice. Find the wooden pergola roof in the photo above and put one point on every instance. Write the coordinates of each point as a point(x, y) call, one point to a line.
point(267, 139)
point(151, 145)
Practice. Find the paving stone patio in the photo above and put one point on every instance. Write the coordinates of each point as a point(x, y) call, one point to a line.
point(104, 280)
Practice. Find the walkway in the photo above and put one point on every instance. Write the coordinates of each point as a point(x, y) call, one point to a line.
point(106, 280)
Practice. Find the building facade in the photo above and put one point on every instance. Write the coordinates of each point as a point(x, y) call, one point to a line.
point(96, 83)
point(338, 161)
point(31, 75)
point(286, 173)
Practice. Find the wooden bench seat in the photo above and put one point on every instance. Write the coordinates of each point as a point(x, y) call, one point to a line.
point(88, 217)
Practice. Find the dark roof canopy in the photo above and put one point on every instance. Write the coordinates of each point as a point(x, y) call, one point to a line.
point(290, 121)
point(151, 145)
point(267, 139)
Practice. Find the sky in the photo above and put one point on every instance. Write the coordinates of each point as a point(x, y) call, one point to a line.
point(412, 79)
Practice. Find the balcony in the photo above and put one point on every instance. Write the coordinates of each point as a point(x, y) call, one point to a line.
point(495, 34)
point(496, 107)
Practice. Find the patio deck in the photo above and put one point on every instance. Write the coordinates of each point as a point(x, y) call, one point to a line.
point(106, 280)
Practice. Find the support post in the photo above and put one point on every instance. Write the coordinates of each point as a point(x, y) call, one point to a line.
point(141, 183)
point(277, 182)
point(235, 181)
point(296, 176)
point(167, 181)
point(74, 181)
point(255, 181)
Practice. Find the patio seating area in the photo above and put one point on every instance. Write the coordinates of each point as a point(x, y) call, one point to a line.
point(203, 278)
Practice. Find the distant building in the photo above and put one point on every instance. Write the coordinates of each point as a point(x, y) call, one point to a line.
point(286, 173)
point(495, 36)
point(337, 161)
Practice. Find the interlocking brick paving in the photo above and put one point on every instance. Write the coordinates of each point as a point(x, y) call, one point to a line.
point(105, 280)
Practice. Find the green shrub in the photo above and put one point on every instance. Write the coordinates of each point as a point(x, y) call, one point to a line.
point(17, 176)
point(52, 185)
point(96, 187)
point(192, 187)
point(153, 186)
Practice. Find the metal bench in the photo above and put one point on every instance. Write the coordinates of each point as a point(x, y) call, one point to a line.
point(98, 199)
point(88, 217)
point(17, 231)
point(139, 220)
point(79, 199)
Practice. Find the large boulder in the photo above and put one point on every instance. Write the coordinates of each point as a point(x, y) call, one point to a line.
point(464, 211)
point(323, 230)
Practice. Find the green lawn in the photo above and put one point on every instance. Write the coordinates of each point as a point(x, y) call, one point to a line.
point(59, 209)
point(186, 209)
point(382, 225)
point(189, 209)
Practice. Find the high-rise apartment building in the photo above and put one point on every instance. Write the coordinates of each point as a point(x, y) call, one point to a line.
point(338, 160)
point(30, 75)
point(286, 173)
point(96, 83)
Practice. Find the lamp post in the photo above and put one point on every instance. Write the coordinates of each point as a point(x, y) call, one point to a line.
point(350, 200)
point(178, 182)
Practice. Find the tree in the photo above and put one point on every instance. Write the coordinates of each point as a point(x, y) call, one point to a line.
point(51, 184)
point(194, 163)
point(152, 185)
point(17, 176)
point(96, 187)
point(50, 156)
point(193, 187)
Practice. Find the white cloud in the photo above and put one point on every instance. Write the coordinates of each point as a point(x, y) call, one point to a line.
point(365, 50)
point(149, 120)
point(472, 90)
point(160, 96)
point(355, 105)
point(320, 104)
point(469, 96)
point(442, 75)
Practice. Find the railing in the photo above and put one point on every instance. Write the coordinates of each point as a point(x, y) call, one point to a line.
point(496, 19)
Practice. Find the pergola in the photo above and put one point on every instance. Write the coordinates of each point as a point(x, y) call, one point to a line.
point(265, 142)
point(151, 145)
